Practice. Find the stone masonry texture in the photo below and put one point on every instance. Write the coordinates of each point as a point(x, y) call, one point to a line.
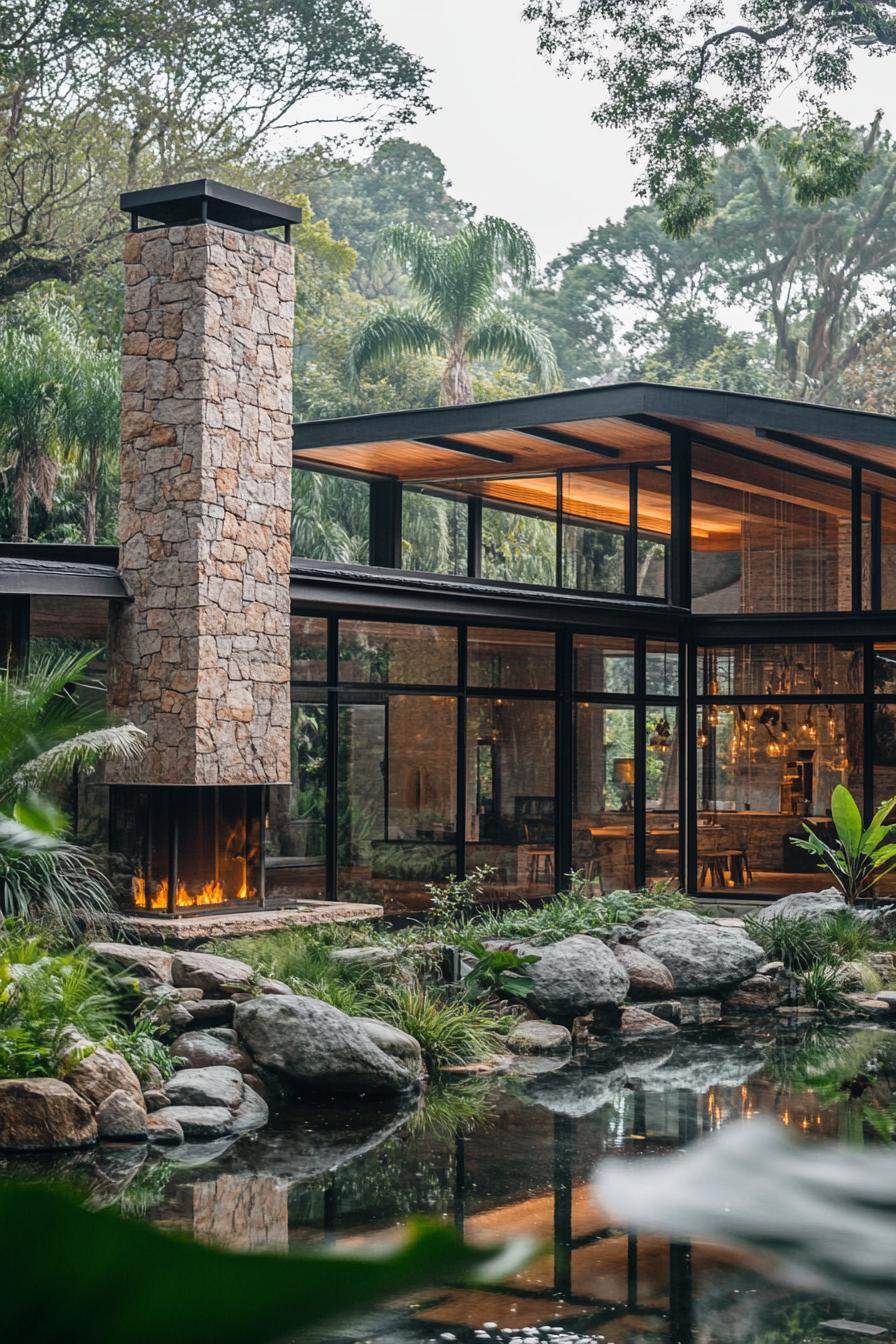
point(200, 658)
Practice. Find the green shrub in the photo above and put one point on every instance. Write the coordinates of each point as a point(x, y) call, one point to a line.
point(847, 935)
point(822, 987)
point(498, 972)
point(460, 897)
point(143, 1049)
point(799, 942)
point(570, 912)
point(449, 1030)
point(39, 999)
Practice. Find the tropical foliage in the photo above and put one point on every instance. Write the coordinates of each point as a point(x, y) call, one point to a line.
point(861, 857)
point(456, 283)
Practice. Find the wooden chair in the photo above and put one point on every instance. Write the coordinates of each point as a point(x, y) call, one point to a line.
point(541, 861)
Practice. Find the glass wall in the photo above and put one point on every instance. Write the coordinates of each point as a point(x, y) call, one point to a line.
point(769, 761)
point(517, 660)
point(596, 514)
point(397, 654)
point(296, 829)
point(519, 545)
point(603, 805)
point(654, 532)
point(767, 539)
point(433, 531)
point(330, 517)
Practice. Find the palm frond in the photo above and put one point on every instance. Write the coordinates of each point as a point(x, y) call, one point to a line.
point(521, 343)
point(119, 742)
point(390, 335)
point(418, 251)
point(512, 244)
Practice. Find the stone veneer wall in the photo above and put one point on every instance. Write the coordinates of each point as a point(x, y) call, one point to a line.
point(200, 659)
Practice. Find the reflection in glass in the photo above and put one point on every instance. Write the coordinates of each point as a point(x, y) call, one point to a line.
point(603, 663)
point(308, 648)
point(782, 669)
point(763, 769)
point(296, 827)
point(397, 798)
point(595, 522)
point(512, 660)
point(603, 795)
point(510, 793)
point(393, 653)
point(654, 531)
point(433, 532)
point(885, 669)
point(888, 552)
point(661, 670)
point(661, 774)
point(330, 517)
point(519, 545)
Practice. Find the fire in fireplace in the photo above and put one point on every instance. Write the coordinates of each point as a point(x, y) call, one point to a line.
point(186, 849)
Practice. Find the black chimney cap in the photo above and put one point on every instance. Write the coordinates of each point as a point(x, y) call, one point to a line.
point(207, 201)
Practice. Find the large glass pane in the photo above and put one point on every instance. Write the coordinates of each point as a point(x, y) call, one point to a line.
point(519, 544)
point(603, 663)
point(765, 539)
point(308, 646)
point(330, 517)
point(603, 795)
point(393, 653)
point(661, 671)
point(885, 669)
point(764, 769)
point(661, 789)
point(782, 669)
point(595, 522)
point(654, 531)
point(510, 794)
point(397, 798)
point(296, 830)
point(433, 532)
point(887, 553)
point(510, 660)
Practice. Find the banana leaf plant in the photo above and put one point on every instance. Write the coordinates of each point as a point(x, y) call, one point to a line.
point(861, 856)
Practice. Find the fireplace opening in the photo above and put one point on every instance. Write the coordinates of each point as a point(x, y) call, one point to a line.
point(188, 850)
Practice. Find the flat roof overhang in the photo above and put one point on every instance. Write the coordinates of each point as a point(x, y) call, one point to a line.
point(622, 423)
point(60, 571)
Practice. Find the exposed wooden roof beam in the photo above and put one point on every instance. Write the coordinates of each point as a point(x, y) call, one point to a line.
point(825, 450)
point(468, 449)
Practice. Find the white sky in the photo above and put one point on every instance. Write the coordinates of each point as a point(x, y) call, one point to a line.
point(517, 140)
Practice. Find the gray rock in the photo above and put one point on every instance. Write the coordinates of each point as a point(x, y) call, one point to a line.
point(539, 1038)
point(40, 1113)
point(220, 976)
point(211, 1012)
point(575, 1091)
point(217, 1085)
point(119, 1117)
point(200, 1049)
point(775, 969)
point(888, 996)
point(154, 1098)
point(647, 977)
point(267, 986)
point(805, 905)
point(101, 1073)
point(402, 1047)
point(163, 1129)
point(223, 1034)
point(699, 1012)
point(318, 1048)
point(170, 1013)
point(252, 1112)
point(637, 1023)
point(149, 963)
point(655, 920)
point(667, 1009)
point(363, 959)
point(703, 958)
point(196, 1122)
point(758, 994)
point(573, 977)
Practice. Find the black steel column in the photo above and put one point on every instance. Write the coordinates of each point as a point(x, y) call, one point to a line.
point(681, 1293)
point(857, 538)
point(564, 1136)
point(385, 524)
point(331, 840)
point(563, 760)
point(474, 538)
point(630, 581)
point(868, 734)
point(640, 789)
point(680, 585)
point(689, 715)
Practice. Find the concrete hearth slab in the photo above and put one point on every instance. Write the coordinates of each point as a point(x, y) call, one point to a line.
point(244, 923)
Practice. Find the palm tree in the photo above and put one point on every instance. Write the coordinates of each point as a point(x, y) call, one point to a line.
point(29, 417)
point(457, 314)
point(89, 420)
point(47, 727)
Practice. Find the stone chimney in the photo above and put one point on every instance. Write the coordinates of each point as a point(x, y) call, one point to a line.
point(199, 659)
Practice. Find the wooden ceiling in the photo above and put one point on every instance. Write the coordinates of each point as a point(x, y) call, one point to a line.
point(505, 451)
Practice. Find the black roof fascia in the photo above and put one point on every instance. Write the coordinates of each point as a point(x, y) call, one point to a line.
point(614, 400)
point(60, 578)
point(205, 199)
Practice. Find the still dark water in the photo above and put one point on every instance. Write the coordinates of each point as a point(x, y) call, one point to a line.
point(514, 1154)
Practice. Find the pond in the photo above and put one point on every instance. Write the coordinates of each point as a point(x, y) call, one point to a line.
point(514, 1154)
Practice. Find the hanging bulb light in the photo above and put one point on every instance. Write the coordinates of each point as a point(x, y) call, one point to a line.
point(702, 737)
point(840, 760)
point(712, 718)
point(785, 734)
point(774, 749)
point(660, 738)
point(832, 723)
point(807, 732)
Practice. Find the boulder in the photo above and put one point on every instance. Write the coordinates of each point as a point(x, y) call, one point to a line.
point(699, 1012)
point(147, 963)
point(196, 1122)
point(805, 905)
point(669, 1010)
point(363, 959)
point(573, 977)
point(101, 1073)
point(870, 1007)
point(169, 1013)
point(703, 958)
point(37, 1113)
point(200, 1049)
point(852, 975)
point(539, 1038)
point(318, 1048)
point(402, 1047)
point(211, 1012)
point(251, 1113)
point(637, 1023)
point(758, 994)
point(884, 963)
point(887, 996)
point(223, 1034)
point(647, 977)
point(655, 920)
point(154, 1098)
point(119, 1117)
point(267, 986)
point(163, 1129)
point(217, 1085)
point(213, 975)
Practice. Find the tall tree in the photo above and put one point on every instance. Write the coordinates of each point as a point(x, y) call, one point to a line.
point(31, 371)
point(688, 81)
point(105, 93)
point(89, 412)
point(456, 283)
